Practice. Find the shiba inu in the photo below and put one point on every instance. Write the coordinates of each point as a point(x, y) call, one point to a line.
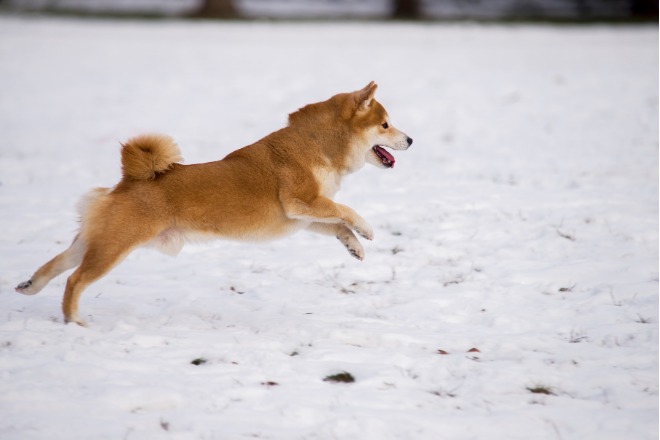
point(282, 183)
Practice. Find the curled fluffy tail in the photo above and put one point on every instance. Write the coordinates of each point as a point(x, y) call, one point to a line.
point(142, 157)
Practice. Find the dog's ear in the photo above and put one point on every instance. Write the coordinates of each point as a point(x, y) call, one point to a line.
point(364, 97)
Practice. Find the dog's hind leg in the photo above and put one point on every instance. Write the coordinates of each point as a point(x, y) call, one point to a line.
point(343, 234)
point(104, 251)
point(97, 261)
point(68, 259)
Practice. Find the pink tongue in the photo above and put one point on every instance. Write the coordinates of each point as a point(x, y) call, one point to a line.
point(383, 152)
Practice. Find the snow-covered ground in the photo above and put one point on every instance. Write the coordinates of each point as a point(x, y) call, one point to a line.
point(523, 223)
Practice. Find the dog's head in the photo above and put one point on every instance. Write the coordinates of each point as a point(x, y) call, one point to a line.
point(351, 129)
point(373, 130)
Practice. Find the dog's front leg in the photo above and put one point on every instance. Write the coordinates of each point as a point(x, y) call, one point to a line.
point(343, 234)
point(323, 210)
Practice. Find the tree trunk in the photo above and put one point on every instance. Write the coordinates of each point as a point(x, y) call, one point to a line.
point(644, 9)
point(407, 9)
point(217, 9)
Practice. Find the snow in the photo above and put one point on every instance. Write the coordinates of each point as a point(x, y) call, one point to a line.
point(523, 222)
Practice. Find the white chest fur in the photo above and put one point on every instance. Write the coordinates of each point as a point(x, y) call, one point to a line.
point(328, 180)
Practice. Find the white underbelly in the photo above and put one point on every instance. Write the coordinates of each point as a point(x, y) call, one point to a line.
point(171, 240)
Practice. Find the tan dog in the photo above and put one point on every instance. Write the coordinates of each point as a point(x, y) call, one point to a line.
point(281, 184)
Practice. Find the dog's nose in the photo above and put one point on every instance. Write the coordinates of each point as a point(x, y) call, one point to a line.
point(409, 141)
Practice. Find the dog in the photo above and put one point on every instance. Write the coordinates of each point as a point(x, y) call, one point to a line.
point(279, 185)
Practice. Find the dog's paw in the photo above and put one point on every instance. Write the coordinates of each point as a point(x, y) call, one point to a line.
point(27, 288)
point(75, 320)
point(348, 239)
point(357, 254)
point(364, 230)
point(356, 250)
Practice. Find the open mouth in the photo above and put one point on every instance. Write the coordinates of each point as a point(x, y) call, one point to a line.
point(386, 158)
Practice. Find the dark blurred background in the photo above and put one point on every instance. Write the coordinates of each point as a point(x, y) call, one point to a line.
point(548, 10)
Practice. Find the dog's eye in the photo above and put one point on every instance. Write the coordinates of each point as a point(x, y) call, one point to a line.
point(385, 125)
